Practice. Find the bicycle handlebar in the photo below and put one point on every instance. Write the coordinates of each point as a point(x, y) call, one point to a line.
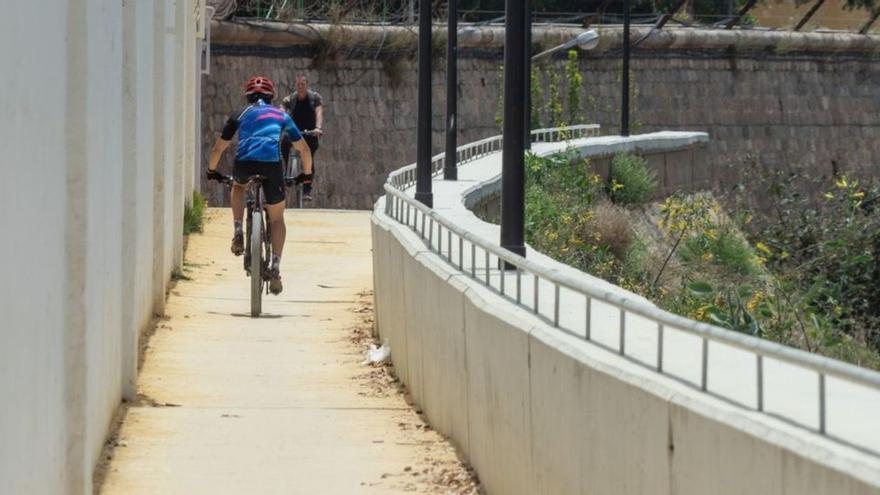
point(223, 179)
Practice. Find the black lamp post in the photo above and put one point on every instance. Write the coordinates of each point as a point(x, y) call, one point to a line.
point(423, 162)
point(624, 103)
point(513, 161)
point(450, 167)
point(527, 69)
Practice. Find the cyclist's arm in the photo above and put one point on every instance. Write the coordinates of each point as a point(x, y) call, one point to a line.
point(319, 114)
point(217, 152)
point(222, 143)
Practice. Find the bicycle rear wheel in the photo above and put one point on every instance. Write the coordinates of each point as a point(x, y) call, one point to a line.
point(256, 241)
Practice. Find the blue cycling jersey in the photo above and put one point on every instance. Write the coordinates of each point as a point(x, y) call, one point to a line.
point(260, 127)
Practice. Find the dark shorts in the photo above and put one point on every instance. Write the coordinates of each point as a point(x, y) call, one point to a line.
point(273, 186)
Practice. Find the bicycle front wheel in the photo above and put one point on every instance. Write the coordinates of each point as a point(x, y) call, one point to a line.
point(256, 241)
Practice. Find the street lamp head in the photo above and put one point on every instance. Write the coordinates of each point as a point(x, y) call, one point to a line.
point(587, 40)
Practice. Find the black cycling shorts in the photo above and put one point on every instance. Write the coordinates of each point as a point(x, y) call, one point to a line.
point(273, 185)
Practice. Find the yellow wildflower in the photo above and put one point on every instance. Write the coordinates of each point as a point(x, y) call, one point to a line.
point(829, 195)
point(753, 303)
point(859, 195)
point(784, 254)
point(763, 248)
point(712, 234)
point(842, 183)
point(616, 186)
point(700, 313)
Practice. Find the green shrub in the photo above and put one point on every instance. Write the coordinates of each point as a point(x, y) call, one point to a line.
point(632, 182)
point(724, 249)
point(194, 216)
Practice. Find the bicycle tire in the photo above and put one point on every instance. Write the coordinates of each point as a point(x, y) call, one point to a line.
point(256, 242)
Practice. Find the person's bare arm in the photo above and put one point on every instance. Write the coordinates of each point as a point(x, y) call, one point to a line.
point(306, 155)
point(217, 152)
point(319, 120)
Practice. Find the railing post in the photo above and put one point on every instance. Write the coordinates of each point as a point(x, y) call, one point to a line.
point(822, 403)
point(760, 376)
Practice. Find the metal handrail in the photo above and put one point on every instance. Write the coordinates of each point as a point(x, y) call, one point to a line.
point(404, 177)
point(399, 205)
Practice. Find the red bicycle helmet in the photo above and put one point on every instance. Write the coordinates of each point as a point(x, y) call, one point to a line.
point(259, 85)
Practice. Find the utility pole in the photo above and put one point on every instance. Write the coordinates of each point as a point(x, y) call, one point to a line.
point(527, 68)
point(624, 97)
point(513, 166)
point(423, 163)
point(450, 166)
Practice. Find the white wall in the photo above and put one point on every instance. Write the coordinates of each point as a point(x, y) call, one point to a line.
point(32, 254)
point(85, 259)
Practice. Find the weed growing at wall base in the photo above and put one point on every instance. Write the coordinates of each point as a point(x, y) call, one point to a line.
point(194, 216)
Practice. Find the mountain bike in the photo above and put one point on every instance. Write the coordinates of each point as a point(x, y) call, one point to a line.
point(294, 168)
point(258, 239)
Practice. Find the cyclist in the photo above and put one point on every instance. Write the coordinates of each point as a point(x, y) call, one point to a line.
point(260, 127)
point(306, 108)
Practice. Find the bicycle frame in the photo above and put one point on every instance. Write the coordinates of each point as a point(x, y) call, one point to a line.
point(255, 201)
point(293, 169)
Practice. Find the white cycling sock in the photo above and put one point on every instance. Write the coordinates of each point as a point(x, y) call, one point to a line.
point(276, 261)
point(238, 226)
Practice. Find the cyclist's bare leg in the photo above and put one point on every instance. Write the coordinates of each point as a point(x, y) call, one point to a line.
point(276, 227)
point(237, 201)
point(278, 231)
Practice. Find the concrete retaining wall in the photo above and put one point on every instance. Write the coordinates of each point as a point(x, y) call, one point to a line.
point(537, 411)
point(95, 184)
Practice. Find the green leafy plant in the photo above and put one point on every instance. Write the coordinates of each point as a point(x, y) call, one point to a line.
point(632, 182)
point(722, 247)
point(536, 98)
point(827, 243)
point(193, 215)
point(575, 87)
point(554, 102)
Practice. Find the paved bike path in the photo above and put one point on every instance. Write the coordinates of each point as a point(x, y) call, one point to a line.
point(279, 404)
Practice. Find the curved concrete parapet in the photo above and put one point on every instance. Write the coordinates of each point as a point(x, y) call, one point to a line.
point(552, 381)
point(270, 33)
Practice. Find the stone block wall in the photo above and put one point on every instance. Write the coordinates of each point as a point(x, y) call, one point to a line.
point(369, 117)
point(815, 107)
